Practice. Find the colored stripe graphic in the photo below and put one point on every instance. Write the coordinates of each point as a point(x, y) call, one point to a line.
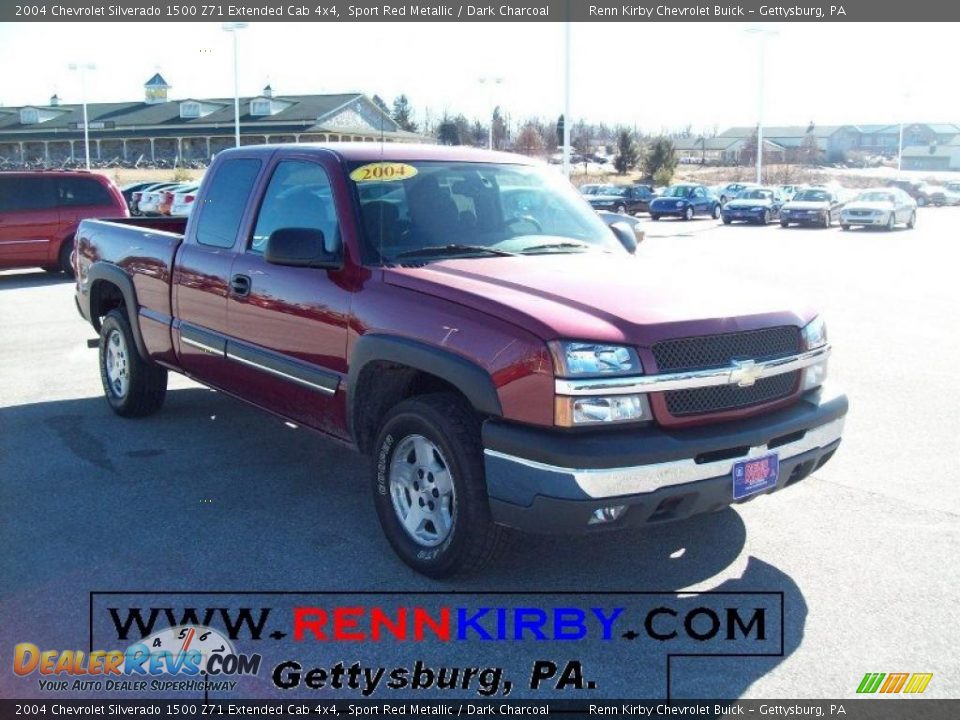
point(918, 682)
point(870, 682)
point(894, 682)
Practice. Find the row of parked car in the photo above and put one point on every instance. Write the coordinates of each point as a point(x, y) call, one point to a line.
point(160, 198)
point(818, 205)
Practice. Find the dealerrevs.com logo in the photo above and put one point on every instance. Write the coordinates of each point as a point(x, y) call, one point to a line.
point(185, 651)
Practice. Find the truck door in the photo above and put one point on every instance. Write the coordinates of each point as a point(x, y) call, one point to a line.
point(201, 278)
point(288, 325)
point(29, 221)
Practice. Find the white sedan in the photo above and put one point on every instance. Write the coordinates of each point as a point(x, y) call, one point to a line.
point(880, 207)
point(183, 201)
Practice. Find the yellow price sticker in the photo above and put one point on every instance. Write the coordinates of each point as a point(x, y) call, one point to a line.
point(383, 172)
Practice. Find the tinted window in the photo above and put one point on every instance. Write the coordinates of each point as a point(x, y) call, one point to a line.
point(298, 196)
point(20, 194)
point(225, 201)
point(82, 191)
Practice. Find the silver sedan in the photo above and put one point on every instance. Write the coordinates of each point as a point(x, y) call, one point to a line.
point(880, 207)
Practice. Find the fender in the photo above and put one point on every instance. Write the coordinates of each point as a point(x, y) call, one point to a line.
point(472, 380)
point(113, 274)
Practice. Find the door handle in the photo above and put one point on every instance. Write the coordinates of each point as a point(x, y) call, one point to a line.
point(240, 285)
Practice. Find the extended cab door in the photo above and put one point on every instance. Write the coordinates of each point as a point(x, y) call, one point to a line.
point(29, 221)
point(201, 277)
point(288, 325)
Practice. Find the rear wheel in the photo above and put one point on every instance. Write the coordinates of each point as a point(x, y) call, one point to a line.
point(716, 212)
point(688, 213)
point(654, 217)
point(133, 387)
point(621, 209)
point(63, 259)
point(429, 487)
point(891, 222)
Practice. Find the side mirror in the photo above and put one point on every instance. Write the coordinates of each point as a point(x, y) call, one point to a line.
point(300, 247)
point(628, 236)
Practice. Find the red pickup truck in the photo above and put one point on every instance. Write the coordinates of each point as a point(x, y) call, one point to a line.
point(466, 320)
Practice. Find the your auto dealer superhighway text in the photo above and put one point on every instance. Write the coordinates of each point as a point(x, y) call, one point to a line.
point(640, 11)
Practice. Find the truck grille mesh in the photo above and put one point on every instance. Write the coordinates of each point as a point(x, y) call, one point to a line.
point(713, 351)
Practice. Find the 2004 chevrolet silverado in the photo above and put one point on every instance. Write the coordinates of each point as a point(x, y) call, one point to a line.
point(467, 321)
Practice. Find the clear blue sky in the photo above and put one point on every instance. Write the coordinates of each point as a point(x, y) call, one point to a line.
point(654, 75)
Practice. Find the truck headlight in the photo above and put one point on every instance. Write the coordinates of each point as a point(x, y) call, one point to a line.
point(579, 358)
point(815, 336)
point(601, 410)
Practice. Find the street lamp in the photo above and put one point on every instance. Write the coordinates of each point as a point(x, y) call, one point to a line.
point(906, 98)
point(762, 33)
point(567, 118)
point(234, 28)
point(491, 82)
point(82, 68)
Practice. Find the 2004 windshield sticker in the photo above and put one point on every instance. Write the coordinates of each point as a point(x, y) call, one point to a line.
point(383, 172)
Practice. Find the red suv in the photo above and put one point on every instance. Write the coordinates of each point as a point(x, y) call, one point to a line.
point(40, 211)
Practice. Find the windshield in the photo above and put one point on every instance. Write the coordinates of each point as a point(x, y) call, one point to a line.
point(756, 195)
point(677, 191)
point(614, 191)
point(471, 210)
point(875, 197)
point(812, 196)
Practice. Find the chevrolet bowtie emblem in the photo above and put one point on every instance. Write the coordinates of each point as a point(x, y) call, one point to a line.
point(745, 372)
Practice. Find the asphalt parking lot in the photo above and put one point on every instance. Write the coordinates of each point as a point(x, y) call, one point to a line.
point(210, 494)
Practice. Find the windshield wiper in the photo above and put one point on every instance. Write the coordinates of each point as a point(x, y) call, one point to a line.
point(556, 246)
point(452, 249)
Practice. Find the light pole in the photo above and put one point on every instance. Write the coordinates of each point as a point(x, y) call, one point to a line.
point(491, 83)
point(567, 118)
point(906, 98)
point(82, 68)
point(234, 28)
point(762, 34)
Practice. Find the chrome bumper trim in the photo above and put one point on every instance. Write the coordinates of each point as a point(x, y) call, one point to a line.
point(744, 374)
point(613, 482)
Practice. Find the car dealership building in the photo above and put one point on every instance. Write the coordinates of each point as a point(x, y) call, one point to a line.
point(157, 128)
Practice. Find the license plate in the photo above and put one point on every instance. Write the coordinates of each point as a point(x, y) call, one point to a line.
point(755, 475)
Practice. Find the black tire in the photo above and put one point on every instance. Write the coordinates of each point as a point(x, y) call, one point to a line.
point(688, 213)
point(727, 221)
point(654, 217)
point(912, 222)
point(621, 210)
point(716, 212)
point(844, 227)
point(784, 224)
point(450, 424)
point(63, 259)
point(146, 383)
point(891, 222)
point(921, 201)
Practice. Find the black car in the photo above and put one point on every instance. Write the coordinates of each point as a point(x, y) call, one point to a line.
point(914, 189)
point(623, 199)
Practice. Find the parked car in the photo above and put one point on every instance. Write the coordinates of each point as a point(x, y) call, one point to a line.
point(167, 197)
point(811, 206)
point(151, 200)
point(623, 199)
point(757, 205)
point(788, 191)
point(130, 188)
point(40, 211)
point(183, 202)
point(685, 201)
point(137, 195)
point(912, 188)
point(937, 194)
point(952, 190)
point(594, 188)
point(500, 370)
point(728, 192)
point(880, 207)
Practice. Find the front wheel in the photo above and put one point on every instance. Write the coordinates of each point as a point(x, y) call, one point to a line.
point(621, 209)
point(688, 213)
point(429, 487)
point(912, 222)
point(766, 218)
point(133, 386)
point(716, 212)
point(891, 222)
point(63, 259)
point(654, 217)
point(921, 201)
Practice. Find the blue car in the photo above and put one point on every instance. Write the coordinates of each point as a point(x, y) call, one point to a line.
point(757, 205)
point(685, 201)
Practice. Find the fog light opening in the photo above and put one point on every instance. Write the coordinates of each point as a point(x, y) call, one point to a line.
point(606, 514)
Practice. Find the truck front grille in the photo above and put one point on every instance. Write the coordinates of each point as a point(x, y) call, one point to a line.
point(713, 351)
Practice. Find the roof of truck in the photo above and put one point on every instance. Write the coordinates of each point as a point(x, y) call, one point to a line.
point(375, 151)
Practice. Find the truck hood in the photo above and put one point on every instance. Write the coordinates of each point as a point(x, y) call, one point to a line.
point(603, 297)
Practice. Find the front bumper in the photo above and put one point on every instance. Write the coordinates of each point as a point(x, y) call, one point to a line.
point(668, 211)
point(864, 219)
point(734, 214)
point(802, 218)
point(553, 481)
